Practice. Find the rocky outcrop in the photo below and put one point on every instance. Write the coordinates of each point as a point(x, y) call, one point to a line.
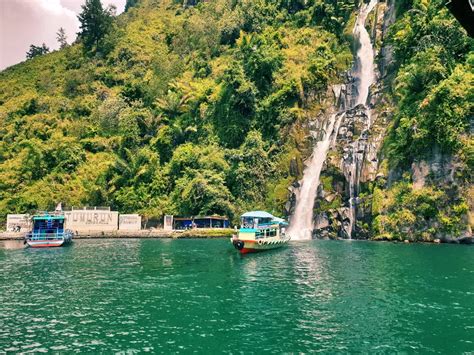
point(355, 167)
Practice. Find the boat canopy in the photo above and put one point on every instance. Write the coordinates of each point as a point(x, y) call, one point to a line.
point(263, 217)
point(46, 217)
point(258, 214)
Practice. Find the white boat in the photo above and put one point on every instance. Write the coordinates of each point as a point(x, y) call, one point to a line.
point(48, 231)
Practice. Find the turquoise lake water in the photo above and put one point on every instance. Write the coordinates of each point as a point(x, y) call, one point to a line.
point(201, 296)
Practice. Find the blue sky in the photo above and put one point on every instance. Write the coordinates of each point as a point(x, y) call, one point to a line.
point(26, 22)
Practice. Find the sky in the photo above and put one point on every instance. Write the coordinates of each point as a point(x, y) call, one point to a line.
point(26, 22)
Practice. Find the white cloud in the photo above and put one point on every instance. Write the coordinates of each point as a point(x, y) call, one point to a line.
point(75, 5)
point(26, 22)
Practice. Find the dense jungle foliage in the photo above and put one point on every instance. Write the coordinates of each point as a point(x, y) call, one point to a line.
point(432, 87)
point(175, 109)
point(199, 107)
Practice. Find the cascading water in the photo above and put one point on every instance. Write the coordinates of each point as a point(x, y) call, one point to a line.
point(301, 227)
point(365, 55)
point(365, 77)
point(301, 221)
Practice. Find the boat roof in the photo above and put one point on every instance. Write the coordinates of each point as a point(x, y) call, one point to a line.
point(259, 214)
point(47, 217)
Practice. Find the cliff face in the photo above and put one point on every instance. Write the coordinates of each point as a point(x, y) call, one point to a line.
point(387, 200)
point(342, 205)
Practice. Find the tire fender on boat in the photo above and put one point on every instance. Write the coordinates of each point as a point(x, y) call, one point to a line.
point(259, 242)
point(239, 245)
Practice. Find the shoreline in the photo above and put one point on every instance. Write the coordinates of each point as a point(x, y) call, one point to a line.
point(206, 233)
point(213, 233)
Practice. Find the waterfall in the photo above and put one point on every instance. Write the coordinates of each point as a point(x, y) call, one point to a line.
point(364, 73)
point(301, 222)
point(365, 55)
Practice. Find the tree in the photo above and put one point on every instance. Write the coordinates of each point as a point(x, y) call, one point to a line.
point(332, 15)
point(202, 193)
point(95, 24)
point(36, 51)
point(260, 57)
point(62, 38)
point(130, 3)
point(234, 107)
point(250, 169)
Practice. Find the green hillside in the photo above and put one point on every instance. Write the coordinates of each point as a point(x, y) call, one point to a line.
point(429, 148)
point(187, 110)
point(204, 109)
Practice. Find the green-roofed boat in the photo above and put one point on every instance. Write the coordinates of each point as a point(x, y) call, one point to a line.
point(259, 231)
point(48, 231)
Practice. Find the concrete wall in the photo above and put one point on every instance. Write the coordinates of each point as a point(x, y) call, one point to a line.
point(168, 223)
point(22, 220)
point(91, 220)
point(130, 222)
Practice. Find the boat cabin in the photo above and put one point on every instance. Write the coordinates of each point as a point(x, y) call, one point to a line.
point(47, 227)
point(261, 224)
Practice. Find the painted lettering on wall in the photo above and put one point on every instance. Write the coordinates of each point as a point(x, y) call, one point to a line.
point(92, 217)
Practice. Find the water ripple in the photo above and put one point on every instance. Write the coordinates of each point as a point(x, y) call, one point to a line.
point(130, 296)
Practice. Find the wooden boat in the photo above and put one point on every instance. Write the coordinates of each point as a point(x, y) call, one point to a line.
point(259, 231)
point(48, 231)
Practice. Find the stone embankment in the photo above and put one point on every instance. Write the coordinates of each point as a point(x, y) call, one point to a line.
point(149, 233)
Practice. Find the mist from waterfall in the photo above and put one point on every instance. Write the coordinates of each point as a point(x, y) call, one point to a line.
point(301, 222)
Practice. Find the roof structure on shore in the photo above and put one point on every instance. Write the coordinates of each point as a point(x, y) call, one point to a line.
point(221, 218)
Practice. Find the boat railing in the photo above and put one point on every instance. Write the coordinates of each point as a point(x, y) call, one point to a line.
point(47, 236)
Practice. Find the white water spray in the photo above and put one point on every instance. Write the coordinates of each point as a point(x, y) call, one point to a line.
point(365, 54)
point(301, 227)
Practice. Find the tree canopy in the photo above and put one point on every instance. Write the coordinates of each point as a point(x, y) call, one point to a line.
point(36, 51)
point(95, 24)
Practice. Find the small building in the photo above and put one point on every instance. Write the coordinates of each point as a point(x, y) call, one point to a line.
point(182, 223)
point(130, 222)
point(18, 222)
point(168, 223)
point(92, 219)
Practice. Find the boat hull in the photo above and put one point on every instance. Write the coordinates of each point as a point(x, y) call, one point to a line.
point(255, 246)
point(45, 243)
